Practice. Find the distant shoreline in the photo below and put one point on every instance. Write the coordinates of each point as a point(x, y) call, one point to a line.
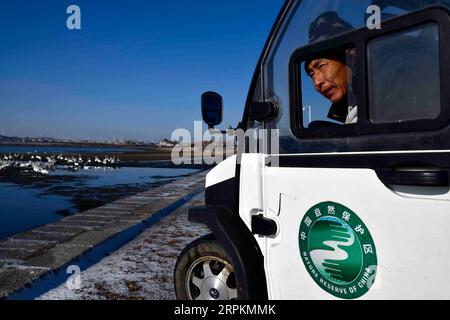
point(72, 144)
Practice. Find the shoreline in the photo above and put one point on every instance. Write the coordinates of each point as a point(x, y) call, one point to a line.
point(73, 144)
point(31, 258)
point(151, 158)
point(72, 187)
point(145, 151)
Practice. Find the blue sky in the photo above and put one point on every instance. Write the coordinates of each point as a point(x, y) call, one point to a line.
point(136, 69)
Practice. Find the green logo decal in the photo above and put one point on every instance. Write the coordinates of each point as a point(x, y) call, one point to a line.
point(337, 250)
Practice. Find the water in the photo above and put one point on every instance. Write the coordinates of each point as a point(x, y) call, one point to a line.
point(22, 209)
point(111, 177)
point(39, 200)
point(61, 149)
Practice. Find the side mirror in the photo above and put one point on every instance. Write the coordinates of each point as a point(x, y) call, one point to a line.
point(212, 108)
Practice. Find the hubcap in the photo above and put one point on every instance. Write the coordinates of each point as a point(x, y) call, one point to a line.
point(211, 278)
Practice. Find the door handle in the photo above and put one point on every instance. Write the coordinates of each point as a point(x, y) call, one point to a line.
point(263, 226)
point(422, 177)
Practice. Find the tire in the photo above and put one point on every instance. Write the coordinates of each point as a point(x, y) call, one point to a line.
point(204, 272)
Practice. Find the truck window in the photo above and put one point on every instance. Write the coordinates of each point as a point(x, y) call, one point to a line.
point(256, 97)
point(404, 76)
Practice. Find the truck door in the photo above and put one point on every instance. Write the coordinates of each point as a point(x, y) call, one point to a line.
point(362, 207)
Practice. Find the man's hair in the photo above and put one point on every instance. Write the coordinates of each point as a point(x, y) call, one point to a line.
point(336, 54)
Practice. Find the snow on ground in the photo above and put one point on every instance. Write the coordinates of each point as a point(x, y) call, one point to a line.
point(143, 268)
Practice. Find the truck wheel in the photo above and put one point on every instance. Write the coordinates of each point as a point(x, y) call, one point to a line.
point(204, 272)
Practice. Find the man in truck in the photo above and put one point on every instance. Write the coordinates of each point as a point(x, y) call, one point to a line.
point(331, 72)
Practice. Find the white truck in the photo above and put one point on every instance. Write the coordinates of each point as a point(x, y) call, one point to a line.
point(337, 210)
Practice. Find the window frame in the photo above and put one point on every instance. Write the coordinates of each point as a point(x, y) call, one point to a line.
point(359, 39)
point(258, 73)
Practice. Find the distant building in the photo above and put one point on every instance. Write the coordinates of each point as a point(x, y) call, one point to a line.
point(167, 143)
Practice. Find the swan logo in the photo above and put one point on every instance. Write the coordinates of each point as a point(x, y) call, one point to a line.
point(338, 250)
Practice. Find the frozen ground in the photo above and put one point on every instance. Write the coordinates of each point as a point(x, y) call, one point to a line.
point(143, 268)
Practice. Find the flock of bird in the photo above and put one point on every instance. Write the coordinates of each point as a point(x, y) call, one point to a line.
point(47, 163)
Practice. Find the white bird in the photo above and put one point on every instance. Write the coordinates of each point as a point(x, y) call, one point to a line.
point(37, 168)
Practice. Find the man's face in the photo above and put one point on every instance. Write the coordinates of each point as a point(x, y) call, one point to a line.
point(330, 78)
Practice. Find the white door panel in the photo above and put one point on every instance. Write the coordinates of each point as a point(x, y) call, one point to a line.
point(410, 234)
point(251, 186)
